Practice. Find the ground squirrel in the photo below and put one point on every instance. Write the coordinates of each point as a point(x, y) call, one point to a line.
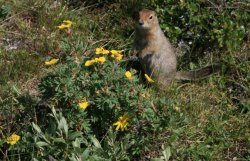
point(156, 54)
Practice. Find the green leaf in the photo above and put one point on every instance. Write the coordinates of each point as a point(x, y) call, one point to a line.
point(39, 131)
point(16, 90)
point(54, 114)
point(36, 127)
point(53, 111)
point(85, 154)
point(63, 126)
point(166, 153)
point(96, 142)
point(73, 157)
point(59, 140)
point(41, 144)
point(76, 143)
point(74, 135)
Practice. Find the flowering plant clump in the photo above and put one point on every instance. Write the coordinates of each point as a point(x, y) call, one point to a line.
point(115, 93)
point(51, 62)
point(116, 54)
point(13, 139)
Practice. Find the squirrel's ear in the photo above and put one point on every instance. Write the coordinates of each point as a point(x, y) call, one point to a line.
point(154, 13)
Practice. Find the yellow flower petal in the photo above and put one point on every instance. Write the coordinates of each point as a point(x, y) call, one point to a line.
point(117, 56)
point(118, 127)
point(116, 123)
point(100, 60)
point(101, 51)
point(115, 52)
point(51, 62)
point(124, 127)
point(128, 75)
point(62, 26)
point(83, 104)
point(13, 139)
point(98, 50)
point(149, 79)
point(68, 22)
point(89, 62)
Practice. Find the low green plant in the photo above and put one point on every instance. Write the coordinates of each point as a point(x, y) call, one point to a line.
point(5, 11)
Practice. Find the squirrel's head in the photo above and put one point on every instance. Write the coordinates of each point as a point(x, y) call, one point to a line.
point(147, 19)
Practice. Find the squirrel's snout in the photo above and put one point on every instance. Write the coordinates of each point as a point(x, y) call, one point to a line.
point(141, 22)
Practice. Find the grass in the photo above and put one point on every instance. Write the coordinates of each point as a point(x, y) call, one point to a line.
point(213, 122)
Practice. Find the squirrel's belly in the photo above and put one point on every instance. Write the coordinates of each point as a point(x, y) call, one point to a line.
point(160, 68)
point(151, 64)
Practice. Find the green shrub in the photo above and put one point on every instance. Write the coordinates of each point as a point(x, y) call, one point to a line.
point(89, 131)
point(204, 24)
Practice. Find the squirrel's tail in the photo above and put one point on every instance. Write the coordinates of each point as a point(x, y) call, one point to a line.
point(198, 74)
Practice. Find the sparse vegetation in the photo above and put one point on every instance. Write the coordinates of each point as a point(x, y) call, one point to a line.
point(80, 105)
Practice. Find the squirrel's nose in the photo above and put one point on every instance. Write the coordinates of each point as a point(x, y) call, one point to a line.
point(141, 22)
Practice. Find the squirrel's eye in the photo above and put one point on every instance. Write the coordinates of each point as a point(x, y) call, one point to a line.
point(150, 17)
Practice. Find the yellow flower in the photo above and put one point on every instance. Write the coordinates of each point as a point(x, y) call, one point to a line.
point(13, 139)
point(66, 24)
point(101, 51)
point(128, 75)
point(122, 123)
point(62, 26)
point(51, 62)
point(83, 104)
point(89, 62)
point(115, 52)
point(100, 60)
point(117, 56)
point(149, 79)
